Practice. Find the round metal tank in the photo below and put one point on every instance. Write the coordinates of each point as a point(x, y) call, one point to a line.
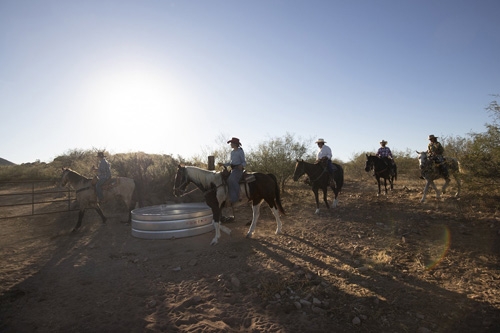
point(171, 221)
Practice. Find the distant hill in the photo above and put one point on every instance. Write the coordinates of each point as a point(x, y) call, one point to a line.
point(5, 162)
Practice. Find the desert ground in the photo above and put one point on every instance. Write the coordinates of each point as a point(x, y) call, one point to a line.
point(373, 264)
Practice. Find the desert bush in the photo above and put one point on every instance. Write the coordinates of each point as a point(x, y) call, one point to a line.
point(278, 156)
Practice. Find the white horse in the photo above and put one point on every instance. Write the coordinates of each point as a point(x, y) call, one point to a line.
point(261, 187)
point(86, 194)
point(431, 171)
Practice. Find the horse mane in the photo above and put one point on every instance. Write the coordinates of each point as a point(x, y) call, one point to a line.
point(204, 177)
point(75, 176)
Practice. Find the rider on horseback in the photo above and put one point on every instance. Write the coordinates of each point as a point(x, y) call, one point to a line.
point(237, 163)
point(103, 174)
point(435, 152)
point(325, 154)
point(385, 154)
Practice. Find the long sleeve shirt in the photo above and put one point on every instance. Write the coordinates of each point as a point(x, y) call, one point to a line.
point(104, 169)
point(325, 151)
point(384, 152)
point(237, 158)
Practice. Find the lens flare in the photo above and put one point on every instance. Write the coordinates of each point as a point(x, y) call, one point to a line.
point(444, 247)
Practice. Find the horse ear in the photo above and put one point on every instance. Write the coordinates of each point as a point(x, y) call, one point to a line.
point(418, 152)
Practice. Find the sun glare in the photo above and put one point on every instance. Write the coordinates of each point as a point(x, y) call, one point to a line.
point(136, 106)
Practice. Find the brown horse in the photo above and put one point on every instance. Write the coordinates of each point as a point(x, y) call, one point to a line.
point(262, 187)
point(320, 179)
point(381, 169)
point(86, 195)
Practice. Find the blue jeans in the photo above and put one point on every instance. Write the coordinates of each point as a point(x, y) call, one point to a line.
point(98, 187)
point(233, 185)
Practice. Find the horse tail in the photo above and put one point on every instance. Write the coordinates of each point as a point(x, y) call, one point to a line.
point(339, 181)
point(277, 200)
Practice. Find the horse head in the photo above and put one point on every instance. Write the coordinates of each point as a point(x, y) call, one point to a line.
point(181, 180)
point(64, 177)
point(299, 170)
point(422, 159)
point(369, 162)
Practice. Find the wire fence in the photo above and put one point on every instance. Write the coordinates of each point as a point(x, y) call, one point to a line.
point(30, 198)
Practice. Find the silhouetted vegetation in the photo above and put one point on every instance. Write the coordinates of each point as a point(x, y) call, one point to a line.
point(478, 153)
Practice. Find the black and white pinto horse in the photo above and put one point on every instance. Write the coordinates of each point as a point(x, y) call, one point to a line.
point(86, 194)
point(261, 187)
point(431, 171)
point(381, 170)
point(320, 179)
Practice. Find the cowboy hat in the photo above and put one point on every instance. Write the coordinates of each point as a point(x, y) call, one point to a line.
point(383, 142)
point(321, 141)
point(432, 137)
point(235, 140)
point(101, 154)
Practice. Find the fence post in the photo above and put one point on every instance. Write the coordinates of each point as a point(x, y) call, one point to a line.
point(211, 163)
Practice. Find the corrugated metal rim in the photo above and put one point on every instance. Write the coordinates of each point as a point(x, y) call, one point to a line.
point(171, 212)
point(172, 234)
point(171, 225)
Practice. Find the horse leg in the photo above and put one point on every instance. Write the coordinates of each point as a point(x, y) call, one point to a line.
point(378, 182)
point(216, 215)
point(446, 184)
point(335, 193)
point(80, 219)
point(101, 214)
point(385, 185)
point(325, 197)
point(255, 217)
point(276, 214)
point(459, 185)
point(315, 190)
point(426, 188)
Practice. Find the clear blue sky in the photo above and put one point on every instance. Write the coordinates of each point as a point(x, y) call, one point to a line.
point(170, 77)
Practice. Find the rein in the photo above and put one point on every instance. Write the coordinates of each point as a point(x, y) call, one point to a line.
point(320, 175)
point(83, 189)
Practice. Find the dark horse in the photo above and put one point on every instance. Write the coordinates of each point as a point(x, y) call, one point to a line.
point(86, 195)
point(320, 179)
point(258, 188)
point(381, 169)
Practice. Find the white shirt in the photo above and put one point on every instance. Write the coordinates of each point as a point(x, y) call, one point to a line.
point(325, 151)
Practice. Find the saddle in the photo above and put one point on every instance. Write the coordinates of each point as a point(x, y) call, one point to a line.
point(246, 177)
point(111, 182)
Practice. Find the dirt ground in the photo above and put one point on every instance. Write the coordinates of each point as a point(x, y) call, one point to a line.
point(373, 264)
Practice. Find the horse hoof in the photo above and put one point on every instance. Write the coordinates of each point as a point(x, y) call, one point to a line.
point(316, 212)
point(249, 235)
point(214, 241)
point(279, 232)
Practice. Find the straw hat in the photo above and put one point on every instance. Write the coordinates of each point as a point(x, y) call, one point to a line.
point(321, 141)
point(432, 137)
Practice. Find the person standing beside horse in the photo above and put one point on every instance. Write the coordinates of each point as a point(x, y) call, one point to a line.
point(435, 151)
point(103, 174)
point(237, 163)
point(385, 154)
point(325, 154)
